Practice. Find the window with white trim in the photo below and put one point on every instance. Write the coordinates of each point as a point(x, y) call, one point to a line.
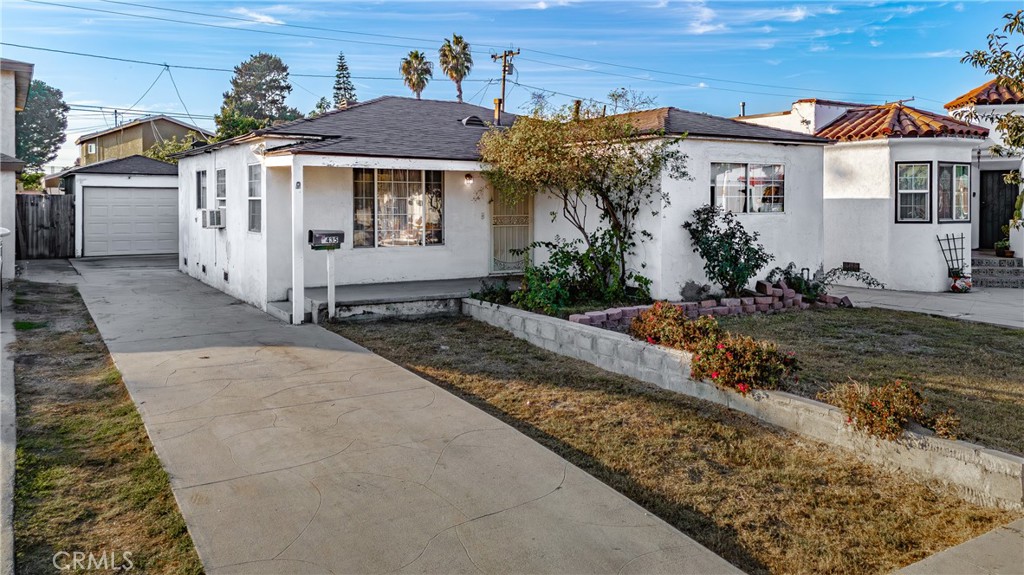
point(255, 179)
point(201, 190)
point(913, 191)
point(954, 197)
point(393, 208)
point(748, 188)
point(221, 183)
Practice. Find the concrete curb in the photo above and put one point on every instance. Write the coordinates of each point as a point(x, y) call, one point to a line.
point(8, 435)
point(977, 474)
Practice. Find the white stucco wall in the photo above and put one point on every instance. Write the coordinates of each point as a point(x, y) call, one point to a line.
point(860, 212)
point(8, 186)
point(464, 254)
point(234, 249)
point(805, 117)
point(82, 181)
point(794, 235)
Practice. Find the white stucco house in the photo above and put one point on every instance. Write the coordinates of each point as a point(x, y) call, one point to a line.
point(124, 207)
point(402, 179)
point(994, 198)
point(15, 80)
point(895, 178)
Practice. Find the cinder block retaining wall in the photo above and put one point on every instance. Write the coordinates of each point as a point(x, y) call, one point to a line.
point(981, 475)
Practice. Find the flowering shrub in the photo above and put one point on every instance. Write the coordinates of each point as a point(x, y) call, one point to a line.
point(666, 324)
point(741, 362)
point(727, 360)
point(880, 411)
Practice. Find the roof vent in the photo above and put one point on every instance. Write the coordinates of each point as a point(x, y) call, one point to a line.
point(472, 121)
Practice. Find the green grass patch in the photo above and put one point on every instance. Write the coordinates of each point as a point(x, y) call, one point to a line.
point(27, 325)
point(86, 478)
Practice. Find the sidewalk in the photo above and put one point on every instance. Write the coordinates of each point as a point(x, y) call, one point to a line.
point(997, 306)
point(998, 552)
point(291, 449)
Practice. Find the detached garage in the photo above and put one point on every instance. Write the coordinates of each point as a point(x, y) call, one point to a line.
point(126, 207)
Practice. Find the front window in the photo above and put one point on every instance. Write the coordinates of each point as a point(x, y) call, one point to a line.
point(255, 198)
point(201, 190)
point(393, 208)
point(749, 188)
point(954, 193)
point(913, 188)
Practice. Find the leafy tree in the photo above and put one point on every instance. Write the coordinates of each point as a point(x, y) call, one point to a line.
point(456, 60)
point(732, 256)
point(258, 91)
point(1004, 59)
point(31, 180)
point(344, 89)
point(416, 71)
point(166, 148)
point(39, 128)
point(323, 105)
point(586, 159)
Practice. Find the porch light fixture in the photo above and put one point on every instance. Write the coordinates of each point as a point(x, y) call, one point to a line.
point(469, 179)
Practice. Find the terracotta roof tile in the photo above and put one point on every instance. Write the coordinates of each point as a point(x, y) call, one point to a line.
point(895, 120)
point(990, 92)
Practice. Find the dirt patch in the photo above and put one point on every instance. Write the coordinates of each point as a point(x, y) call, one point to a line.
point(765, 500)
point(86, 477)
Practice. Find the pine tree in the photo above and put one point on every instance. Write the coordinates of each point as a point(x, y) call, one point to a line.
point(344, 89)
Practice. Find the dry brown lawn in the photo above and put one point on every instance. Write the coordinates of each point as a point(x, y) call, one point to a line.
point(976, 369)
point(87, 478)
point(765, 500)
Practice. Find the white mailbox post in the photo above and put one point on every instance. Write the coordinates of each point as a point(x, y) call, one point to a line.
point(329, 241)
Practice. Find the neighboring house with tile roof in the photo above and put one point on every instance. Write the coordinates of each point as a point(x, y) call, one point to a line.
point(15, 80)
point(894, 178)
point(996, 199)
point(134, 137)
point(402, 179)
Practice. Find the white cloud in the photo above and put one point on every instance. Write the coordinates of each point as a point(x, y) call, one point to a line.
point(544, 5)
point(773, 62)
point(702, 85)
point(820, 47)
point(702, 22)
point(875, 43)
point(959, 6)
point(258, 17)
point(661, 4)
point(943, 54)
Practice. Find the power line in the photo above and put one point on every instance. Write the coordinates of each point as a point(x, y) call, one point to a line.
point(94, 108)
point(158, 76)
point(547, 91)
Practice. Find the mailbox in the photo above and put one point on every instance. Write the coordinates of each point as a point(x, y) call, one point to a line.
point(326, 239)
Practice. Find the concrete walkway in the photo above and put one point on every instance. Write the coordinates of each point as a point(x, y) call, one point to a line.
point(293, 450)
point(998, 306)
point(998, 552)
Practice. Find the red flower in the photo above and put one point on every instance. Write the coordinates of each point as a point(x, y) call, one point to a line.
point(650, 339)
point(714, 375)
point(728, 355)
point(744, 388)
point(696, 357)
point(721, 346)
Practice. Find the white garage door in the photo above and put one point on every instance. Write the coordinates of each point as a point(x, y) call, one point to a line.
point(130, 221)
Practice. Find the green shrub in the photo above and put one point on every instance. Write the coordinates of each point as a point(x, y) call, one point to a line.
point(494, 292)
point(726, 360)
point(741, 362)
point(732, 256)
point(882, 411)
point(821, 282)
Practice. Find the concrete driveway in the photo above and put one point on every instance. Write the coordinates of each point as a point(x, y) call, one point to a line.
point(293, 450)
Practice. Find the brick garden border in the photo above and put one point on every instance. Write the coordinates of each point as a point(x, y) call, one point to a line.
point(978, 474)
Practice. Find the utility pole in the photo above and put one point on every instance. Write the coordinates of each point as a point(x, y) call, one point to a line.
point(115, 118)
point(506, 67)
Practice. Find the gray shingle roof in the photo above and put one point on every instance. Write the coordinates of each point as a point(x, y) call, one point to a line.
point(392, 126)
point(10, 163)
point(132, 165)
point(676, 121)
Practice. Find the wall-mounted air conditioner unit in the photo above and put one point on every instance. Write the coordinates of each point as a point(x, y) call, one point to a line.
point(213, 218)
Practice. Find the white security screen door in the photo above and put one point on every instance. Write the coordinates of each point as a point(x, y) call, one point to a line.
point(510, 230)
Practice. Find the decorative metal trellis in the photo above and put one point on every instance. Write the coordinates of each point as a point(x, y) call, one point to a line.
point(953, 251)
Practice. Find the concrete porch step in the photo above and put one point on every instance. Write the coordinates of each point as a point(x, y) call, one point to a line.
point(282, 310)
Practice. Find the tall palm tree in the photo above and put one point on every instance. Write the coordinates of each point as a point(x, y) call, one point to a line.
point(456, 60)
point(417, 71)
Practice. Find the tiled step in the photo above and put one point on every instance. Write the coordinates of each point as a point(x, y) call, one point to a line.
point(1017, 283)
point(996, 273)
point(993, 262)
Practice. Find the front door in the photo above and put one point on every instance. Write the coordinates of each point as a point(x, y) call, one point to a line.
point(997, 199)
point(511, 230)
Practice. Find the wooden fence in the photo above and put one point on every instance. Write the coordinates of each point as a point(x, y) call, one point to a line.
point(45, 226)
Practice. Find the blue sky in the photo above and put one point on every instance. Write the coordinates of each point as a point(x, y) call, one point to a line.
point(702, 56)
